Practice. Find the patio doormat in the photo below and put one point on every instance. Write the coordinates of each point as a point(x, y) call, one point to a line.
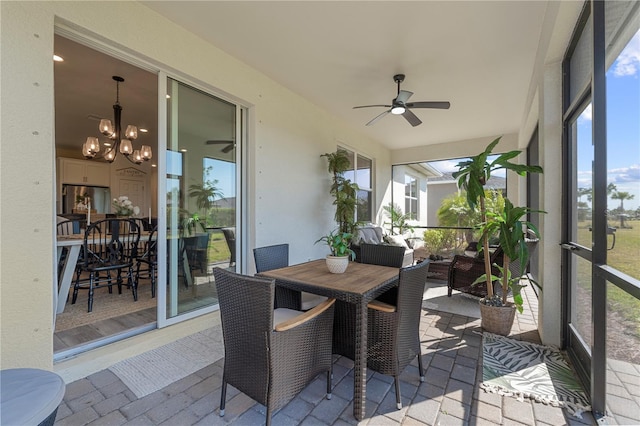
point(155, 369)
point(526, 370)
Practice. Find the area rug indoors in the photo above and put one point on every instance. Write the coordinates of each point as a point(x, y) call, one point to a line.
point(105, 306)
point(526, 370)
point(153, 370)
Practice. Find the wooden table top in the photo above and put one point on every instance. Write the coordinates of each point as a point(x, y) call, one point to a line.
point(359, 278)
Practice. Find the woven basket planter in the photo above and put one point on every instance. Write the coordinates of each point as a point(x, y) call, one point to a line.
point(337, 264)
point(498, 319)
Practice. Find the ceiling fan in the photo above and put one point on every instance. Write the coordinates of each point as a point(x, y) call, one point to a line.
point(400, 106)
point(230, 144)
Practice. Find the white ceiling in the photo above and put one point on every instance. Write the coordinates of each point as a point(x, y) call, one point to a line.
point(479, 55)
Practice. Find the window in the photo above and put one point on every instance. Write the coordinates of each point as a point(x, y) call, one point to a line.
point(361, 174)
point(411, 197)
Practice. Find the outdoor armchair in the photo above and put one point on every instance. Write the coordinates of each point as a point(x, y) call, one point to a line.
point(270, 361)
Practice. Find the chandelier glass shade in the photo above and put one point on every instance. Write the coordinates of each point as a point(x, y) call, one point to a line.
point(121, 140)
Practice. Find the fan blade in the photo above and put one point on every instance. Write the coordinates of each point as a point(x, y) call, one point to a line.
point(369, 106)
point(228, 148)
point(218, 142)
point(378, 117)
point(438, 105)
point(403, 96)
point(411, 118)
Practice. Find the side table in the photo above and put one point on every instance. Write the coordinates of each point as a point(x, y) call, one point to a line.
point(29, 396)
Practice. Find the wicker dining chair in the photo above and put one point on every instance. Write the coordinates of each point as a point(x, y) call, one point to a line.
point(382, 254)
point(147, 261)
point(276, 256)
point(270, 355)
point(107, 256)
point(393, 334)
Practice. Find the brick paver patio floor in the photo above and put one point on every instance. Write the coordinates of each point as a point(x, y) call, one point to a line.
point(450, 395)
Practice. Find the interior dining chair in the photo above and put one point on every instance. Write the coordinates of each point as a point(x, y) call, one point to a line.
point(68, 227)
point(393, 334)
point(276, 256)
point(270, 355)
point(107, 256)
point(147, 261)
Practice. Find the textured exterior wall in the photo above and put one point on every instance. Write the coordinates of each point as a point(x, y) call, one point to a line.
point(288, 183)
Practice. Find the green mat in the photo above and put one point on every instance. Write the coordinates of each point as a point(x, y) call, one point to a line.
point(526, 370)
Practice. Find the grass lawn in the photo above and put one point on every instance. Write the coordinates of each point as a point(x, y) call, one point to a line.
point(625, 256)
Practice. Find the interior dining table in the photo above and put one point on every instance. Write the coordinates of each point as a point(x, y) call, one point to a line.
point(360, 284)
point(73, 242)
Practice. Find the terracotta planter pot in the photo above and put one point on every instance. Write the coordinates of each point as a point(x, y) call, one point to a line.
point(498, 319)
point(337, 264)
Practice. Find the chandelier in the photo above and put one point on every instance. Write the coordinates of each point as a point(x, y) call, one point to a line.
point(121, 141)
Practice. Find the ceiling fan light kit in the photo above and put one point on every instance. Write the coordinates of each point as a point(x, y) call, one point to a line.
point(400, 106)
point(121, 141)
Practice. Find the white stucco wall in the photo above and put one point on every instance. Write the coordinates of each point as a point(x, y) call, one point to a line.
point(288, 182)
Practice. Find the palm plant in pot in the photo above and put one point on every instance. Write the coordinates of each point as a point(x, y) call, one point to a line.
point(472, 176)
point(510, 227)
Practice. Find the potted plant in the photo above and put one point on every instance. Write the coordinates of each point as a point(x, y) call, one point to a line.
point(343, 190)
point(510, 228)
point(472, 175)
point(339, 244)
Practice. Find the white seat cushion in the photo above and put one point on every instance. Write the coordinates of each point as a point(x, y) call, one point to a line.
point(310, 300)
point(283, 314)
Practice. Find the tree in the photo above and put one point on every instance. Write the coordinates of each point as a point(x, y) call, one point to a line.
point(622, 195)
point(454, 210)
point(584, 191)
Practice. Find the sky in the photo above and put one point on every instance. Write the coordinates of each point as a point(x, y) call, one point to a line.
point(623, 128)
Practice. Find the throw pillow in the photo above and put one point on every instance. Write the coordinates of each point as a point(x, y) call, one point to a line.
point(396, 240)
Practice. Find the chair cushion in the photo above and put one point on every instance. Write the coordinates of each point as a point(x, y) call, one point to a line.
point(369, 236)
point(284, 314)
point(310, 300)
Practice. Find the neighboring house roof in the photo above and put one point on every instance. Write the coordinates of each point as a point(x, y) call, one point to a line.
point(225, 203)
point(497, 182)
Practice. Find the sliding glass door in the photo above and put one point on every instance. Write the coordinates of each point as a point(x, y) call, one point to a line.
point(201, 196)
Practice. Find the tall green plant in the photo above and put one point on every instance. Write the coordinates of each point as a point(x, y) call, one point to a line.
point(474, 173)
point(510, 227)
point(343, 190)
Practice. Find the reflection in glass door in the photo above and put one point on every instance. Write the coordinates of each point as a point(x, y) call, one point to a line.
point(201, 195)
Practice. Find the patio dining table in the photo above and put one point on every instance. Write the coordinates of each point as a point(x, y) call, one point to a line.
point(360, 284)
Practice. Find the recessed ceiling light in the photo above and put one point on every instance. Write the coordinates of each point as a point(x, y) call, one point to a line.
point(168, 96)
point(57, 58)
point(183, 150)
point(143, 130)
point(106, 144)
point(154, 165)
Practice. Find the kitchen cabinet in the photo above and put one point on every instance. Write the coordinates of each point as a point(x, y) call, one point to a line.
point(84, 172)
